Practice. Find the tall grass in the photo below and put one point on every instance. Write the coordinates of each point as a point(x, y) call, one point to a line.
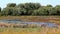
point(30, 31)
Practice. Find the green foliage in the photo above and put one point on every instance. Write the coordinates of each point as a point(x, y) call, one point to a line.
point(11, 5)
point(0, 9)
point(53, 11)
point(40, 11)
point(29, 6)
point(29, 9)
point(7, 11)
point(58, 9)
point(49, 5)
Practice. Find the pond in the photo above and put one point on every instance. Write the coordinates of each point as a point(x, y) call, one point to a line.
point(49, 24)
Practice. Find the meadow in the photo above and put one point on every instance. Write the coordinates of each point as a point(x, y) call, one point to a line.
point(29, 31)
point(39, 30)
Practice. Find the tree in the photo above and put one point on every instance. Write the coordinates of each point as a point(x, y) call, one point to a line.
point(40, 11)
point(49, 9)
point(0, 9)
point(28, 8)
point(49, 5)
point(57, 7)
point(22, 11)
point(11, 5)
point(7, 11)
point(53, 11)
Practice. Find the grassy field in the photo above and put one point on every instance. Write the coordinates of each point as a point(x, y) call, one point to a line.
point(29, 31)
point(54, 19)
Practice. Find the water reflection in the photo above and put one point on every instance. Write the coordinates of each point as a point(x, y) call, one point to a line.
point(22, 22)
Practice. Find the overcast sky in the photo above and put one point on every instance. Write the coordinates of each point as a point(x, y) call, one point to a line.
point(3, 3)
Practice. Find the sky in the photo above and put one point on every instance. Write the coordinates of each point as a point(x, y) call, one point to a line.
point(3, 3)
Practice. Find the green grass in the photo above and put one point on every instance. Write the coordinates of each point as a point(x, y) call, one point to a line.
point(29, 30)
point(22, 29)
point(18, 29)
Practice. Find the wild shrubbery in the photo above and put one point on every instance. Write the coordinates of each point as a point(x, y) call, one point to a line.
point(29, 9)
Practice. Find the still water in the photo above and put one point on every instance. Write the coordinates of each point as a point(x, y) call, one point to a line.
point(19, 21)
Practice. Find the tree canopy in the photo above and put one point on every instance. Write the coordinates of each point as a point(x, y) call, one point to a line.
point(35, 9)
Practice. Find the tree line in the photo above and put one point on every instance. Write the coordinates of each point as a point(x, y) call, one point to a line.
point(35, 9)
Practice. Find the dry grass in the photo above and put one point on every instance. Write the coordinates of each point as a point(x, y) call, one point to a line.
point(55, 19)
point(32, 18)
point(30, 31)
